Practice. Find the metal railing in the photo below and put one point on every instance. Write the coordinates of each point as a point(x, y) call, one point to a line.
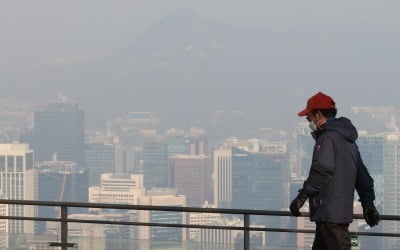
point(246, 228)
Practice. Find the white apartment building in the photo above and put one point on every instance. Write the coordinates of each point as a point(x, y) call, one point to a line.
point(222, 176)
point(118, 189)
point(17, 181)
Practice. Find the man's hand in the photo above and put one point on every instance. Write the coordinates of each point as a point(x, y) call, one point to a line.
point(370, 213)
point(297, 203)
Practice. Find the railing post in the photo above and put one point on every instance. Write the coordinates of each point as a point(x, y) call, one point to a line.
point(246, 233)
point(64, 228)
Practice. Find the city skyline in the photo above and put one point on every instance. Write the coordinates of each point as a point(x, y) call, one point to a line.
point(186, 103)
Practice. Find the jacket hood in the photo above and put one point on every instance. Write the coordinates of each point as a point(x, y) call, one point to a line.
point(344, 127)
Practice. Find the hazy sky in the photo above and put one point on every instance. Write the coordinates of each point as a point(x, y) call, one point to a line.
point(47, 32)
point(350, 49)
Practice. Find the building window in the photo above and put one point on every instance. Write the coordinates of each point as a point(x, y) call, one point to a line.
point(29, 161)
point(20, 163)
point(10, 163)
point(2, 163)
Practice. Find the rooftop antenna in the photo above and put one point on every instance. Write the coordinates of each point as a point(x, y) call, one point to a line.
point(55, 157)
point(62, 97)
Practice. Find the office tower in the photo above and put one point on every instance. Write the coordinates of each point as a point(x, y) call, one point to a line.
point(118, 189)
point(257, 179)
point(155, 165)
point(59, 130)
point(99, 158)
point(60, 181)
point(191, 176)
point(100, 154)
point(162, 236)
point(371, 150)
point(258, 170)
point(222, 177)
point(193, 142)
point(17, 182)
point(391, 172)
point(176, 142)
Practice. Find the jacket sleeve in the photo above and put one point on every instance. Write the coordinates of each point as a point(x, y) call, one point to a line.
point(322, 167)
point(364, 182)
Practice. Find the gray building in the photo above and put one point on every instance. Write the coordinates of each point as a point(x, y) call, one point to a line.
point(59, 128)
point(372, 152)
point(258, 183)
point(257, 180)
point(155, 165)
point(60, 181)
point(99, 159)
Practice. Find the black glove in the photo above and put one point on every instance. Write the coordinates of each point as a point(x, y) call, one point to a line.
point(370, 213)
point(298, 202)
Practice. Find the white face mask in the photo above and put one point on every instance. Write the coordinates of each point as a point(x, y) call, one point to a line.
point(312, 126)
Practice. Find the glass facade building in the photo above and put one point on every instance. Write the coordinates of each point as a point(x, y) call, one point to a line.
point(59, 129)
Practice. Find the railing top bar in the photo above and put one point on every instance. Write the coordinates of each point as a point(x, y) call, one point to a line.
point(168, 208)
point(144, 207)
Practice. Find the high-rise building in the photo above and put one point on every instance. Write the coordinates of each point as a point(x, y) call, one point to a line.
point(257, 179)
point(99, 158)
point(251, 175)
point(59, 129)
point(106, 153)
point(391, 172)
point(194, 142)
point(222, 177)
point(191, 176)
point(17, 181)
point(155, 165)
point(60, 181)
point(176, 142)
point(371, 150)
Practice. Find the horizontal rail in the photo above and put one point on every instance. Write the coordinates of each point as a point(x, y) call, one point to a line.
point(153, 224)
point(64, 220)
point(170, 208)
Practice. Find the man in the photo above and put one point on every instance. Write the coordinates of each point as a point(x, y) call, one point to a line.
point(336, 171)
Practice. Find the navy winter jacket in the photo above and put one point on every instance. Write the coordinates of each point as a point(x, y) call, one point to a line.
point(336, 171)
